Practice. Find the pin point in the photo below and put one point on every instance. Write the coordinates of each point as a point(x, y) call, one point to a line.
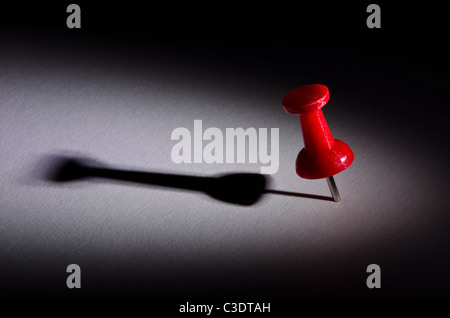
point(323, 156)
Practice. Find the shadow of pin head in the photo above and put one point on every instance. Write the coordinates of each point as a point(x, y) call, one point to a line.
point(67, 169)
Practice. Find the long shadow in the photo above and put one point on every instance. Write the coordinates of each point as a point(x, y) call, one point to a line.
point(237, 188)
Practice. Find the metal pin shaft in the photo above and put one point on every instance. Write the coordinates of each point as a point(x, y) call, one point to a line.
point(333, 189)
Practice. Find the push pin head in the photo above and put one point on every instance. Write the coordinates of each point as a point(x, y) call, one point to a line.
point(306, 99)
point(323, 156)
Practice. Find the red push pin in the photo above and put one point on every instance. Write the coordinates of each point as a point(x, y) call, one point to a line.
point(323, 156)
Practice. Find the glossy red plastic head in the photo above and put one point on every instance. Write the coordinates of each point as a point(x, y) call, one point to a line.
point(323, 156)
point(306, 99)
